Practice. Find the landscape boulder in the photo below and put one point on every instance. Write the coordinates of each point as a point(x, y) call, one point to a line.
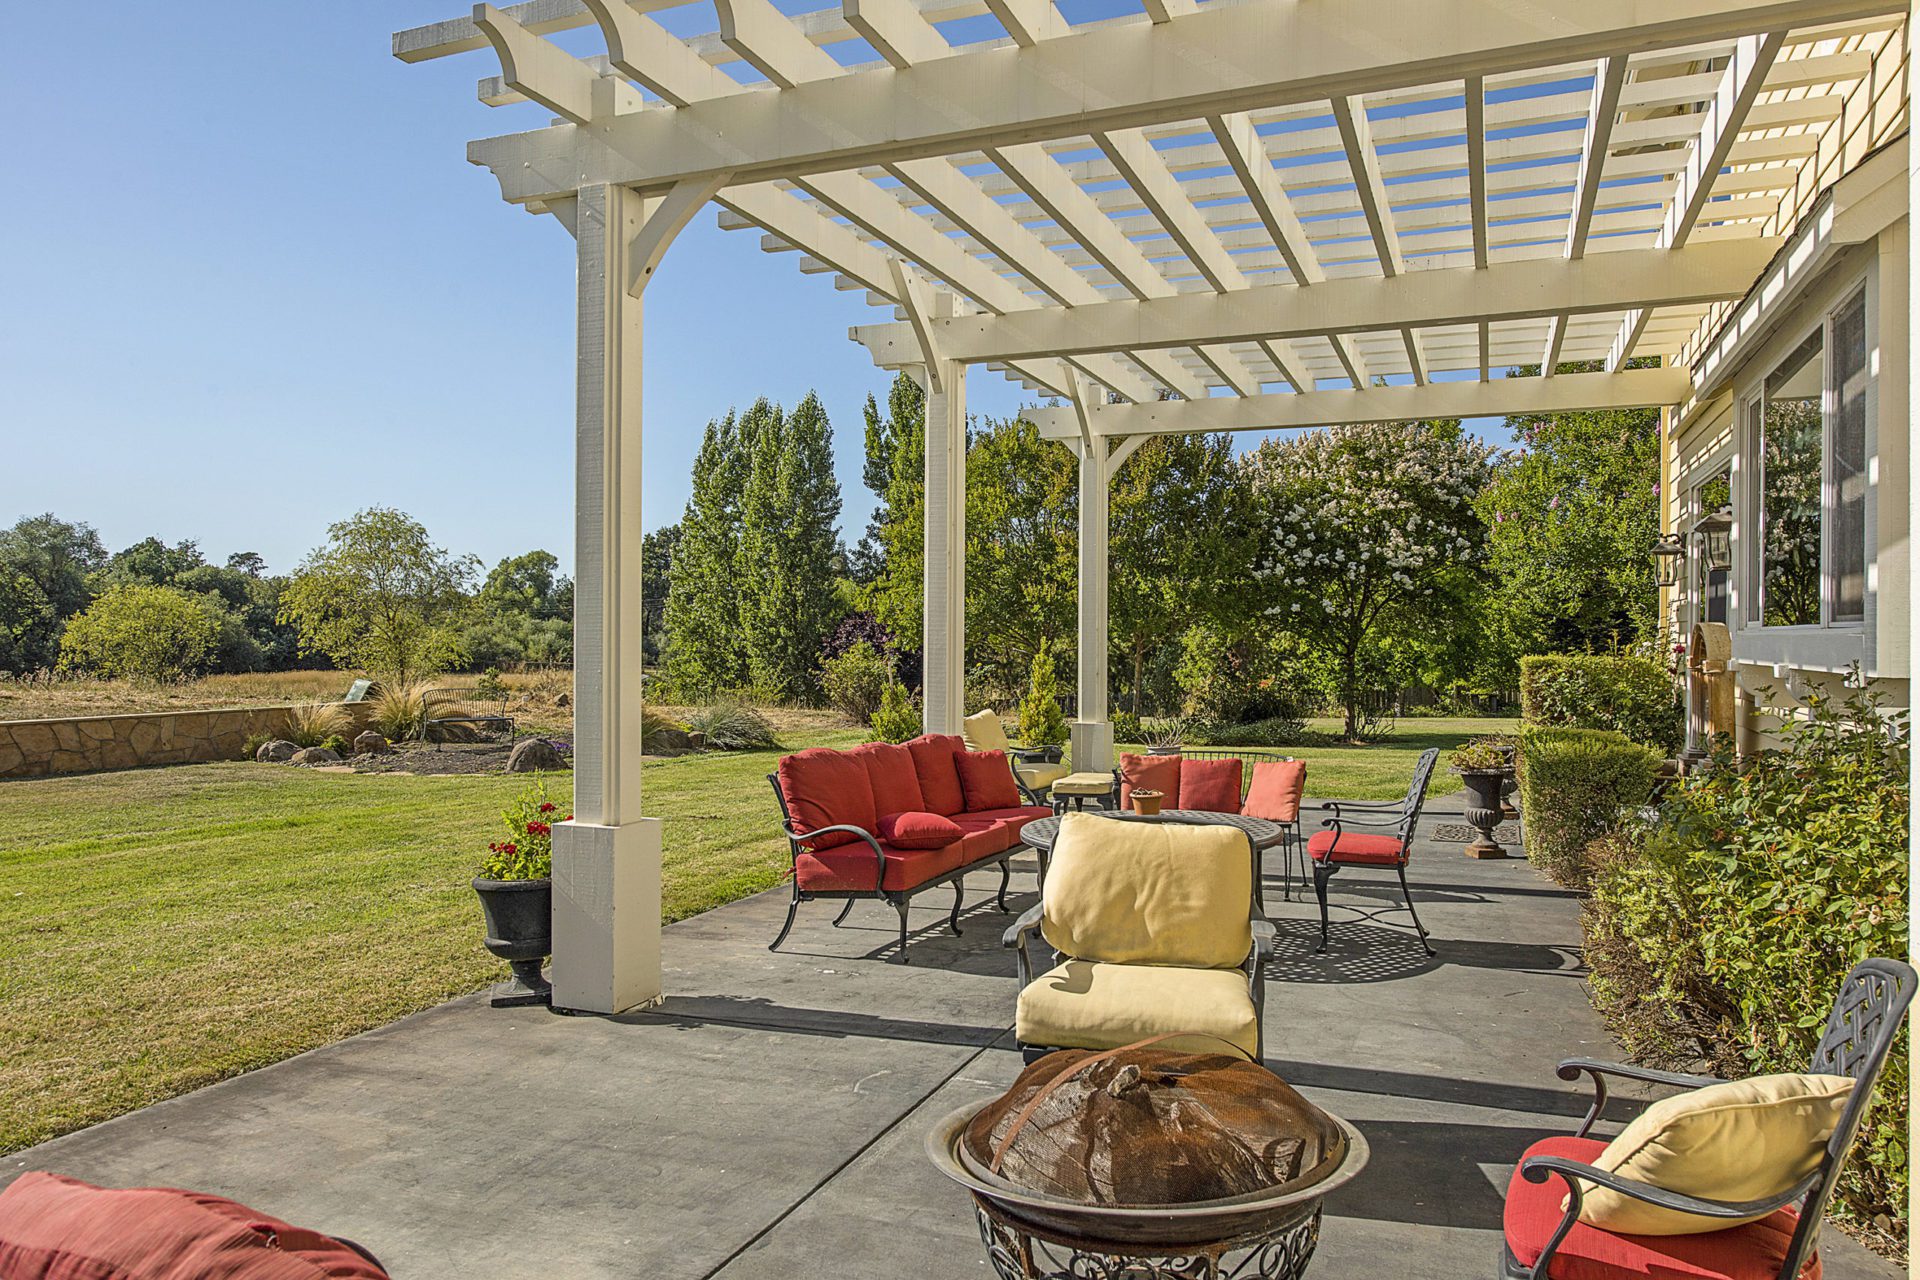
point(315, 755)
point(277, 751)
point(669, 742)
point(534, 755)
point(371, 744)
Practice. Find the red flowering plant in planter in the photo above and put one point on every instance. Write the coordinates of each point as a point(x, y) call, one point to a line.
point(527, 852)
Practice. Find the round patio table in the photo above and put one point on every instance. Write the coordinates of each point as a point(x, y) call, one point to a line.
point(1041, 832)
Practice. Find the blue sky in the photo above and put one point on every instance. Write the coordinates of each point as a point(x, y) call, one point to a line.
point(253, 285)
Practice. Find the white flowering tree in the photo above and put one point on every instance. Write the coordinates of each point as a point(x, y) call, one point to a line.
point(1368, 527)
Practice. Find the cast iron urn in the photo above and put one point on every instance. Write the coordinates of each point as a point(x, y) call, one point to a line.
point(520, 931)
point(1147, 1164)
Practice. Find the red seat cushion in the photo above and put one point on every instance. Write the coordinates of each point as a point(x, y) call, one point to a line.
point(1358, 847)
point(986, 779)
point(1751, 1252)
point(57, 1228)
point(824, 788)
point(919, 830)
point(997, 830)
point(1156, 773)
point(851, 867)
point(1213, 785)
point(933, 755)
point(890, 771)
point(1276, 790)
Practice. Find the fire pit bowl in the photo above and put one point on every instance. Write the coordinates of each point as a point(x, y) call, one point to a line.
point(1035, 1234)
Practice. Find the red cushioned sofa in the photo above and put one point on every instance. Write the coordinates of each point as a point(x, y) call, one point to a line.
point(887, 821)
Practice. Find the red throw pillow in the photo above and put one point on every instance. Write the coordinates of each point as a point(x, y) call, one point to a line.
point(1213, 785)
point(916, 830)
point(896, 787)
point(56, 1228)
point(827, 788)
point(1276, 790)
point(986, 779)
point(1153, 773)
point(933, 755)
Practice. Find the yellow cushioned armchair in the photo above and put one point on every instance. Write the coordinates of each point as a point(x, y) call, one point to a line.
point(1153, 930)
point(982, 731)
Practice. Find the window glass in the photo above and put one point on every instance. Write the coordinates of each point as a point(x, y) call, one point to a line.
point(1849, 471)
point(1790, 489)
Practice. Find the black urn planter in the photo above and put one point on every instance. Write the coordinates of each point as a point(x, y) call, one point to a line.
point(1510, 784)
point(520, 931)
point(1483, 810)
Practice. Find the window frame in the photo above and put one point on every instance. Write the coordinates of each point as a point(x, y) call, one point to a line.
point(1750, 563)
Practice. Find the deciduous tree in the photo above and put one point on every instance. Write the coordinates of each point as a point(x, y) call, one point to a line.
point(788, 560)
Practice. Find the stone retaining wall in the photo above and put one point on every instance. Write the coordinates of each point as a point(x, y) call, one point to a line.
point(85, 744)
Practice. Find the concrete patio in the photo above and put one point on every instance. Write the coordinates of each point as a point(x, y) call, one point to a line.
point(767, 1120)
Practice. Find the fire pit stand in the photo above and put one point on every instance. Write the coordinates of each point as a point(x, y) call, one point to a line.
point(1019, 1253)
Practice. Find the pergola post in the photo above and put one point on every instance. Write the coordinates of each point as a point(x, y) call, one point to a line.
point(944, 625)
point(606, 861)
point(1092, 731)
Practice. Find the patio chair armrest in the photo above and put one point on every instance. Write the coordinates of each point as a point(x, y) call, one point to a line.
point(1573, 1068)
point(1348, 820)
point(1264, 936)
point(1016, 937)
point(1365, 806)
point(862, 832)
point(1537, 1169)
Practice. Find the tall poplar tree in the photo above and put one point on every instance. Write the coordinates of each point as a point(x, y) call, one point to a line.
point(704, 653)
point(896, 472)
point(789, 551)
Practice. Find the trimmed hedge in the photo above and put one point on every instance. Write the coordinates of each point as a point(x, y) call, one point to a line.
point(1575, 786)
point(1632, 696)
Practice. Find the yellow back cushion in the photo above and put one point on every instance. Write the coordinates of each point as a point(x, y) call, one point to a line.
point(1121, 892)
point(1743, 1140)
point(982, 732)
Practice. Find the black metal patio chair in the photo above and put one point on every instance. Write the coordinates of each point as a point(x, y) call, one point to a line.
point(1335, 847)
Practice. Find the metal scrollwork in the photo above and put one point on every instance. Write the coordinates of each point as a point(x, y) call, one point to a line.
point(1016, 1255)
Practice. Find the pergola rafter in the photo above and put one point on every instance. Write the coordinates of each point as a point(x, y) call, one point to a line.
point(1222, 216)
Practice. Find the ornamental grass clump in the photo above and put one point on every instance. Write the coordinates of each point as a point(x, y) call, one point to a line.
point(400, 709)
point(733, 726)
point(527, 852)
point(314, 724)
point(1722, 930)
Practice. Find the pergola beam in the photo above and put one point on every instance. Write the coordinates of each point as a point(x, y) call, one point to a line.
point(1568, 393)
point(1222, 58)
point(1700, 273)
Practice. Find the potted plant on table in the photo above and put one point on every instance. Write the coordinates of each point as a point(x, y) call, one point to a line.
point(1482, 766)
point(515, 885)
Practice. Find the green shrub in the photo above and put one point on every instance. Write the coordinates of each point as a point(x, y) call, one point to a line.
point(1126, 728)
point(1633, 696)
point(143, 632)
point(1042, 723)
point(733, 726)
point(855, 681)
point(897, 719)
point(1722, 932)
point(1575, 786)
point(1275, 731)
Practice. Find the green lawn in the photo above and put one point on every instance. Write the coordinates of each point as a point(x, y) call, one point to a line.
point(164, 928)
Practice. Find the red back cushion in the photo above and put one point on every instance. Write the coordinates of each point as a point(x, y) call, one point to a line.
point(896, 787)
point(1155, 773)
point(986, 778)
point(824, 788)
point(919, 830)
point(1276, 790)
point(55, 1228)
point(933, 755)
point(1213, 785)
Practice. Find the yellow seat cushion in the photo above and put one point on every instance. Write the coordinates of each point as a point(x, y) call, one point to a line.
point(1743, 1140)
point(1148, 893)
point(983, 732)
point(1081, 1005)
point(1084, 784)
point(1039, 776)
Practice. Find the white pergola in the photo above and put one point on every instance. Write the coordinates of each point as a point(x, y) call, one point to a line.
point(1237, 216)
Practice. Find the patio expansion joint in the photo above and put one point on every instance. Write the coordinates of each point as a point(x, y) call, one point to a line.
point(852, 1158)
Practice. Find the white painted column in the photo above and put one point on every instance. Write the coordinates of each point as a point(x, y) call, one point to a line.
point(606, 862)
point(944, 624)
point(1092, 730)
point(1913, 614)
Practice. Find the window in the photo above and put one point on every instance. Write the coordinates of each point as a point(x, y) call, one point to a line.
point(1808, 433)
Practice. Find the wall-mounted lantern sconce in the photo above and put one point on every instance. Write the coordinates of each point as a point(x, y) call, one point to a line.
point(1716, 535)
point(1668, 555)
